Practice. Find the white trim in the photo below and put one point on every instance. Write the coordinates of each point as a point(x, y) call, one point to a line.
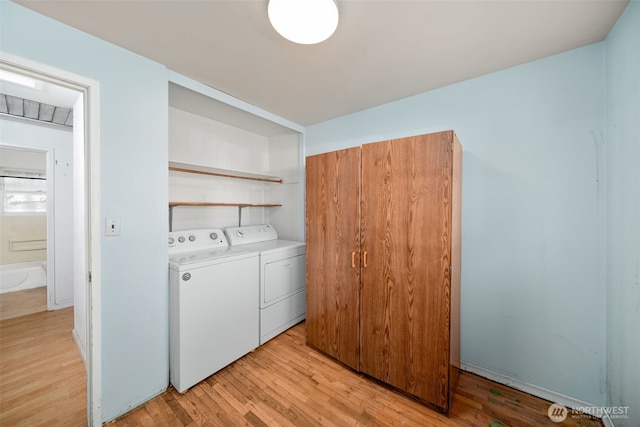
point(302, 178)
point(76, 339)
point(203, 89)
point(607, 421)
point(51, 230)
point(532, 389)
point(90, 93)
point(94, 225)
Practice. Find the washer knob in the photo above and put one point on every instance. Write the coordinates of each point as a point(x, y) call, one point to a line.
point(240, 233)
point(181, 239)
point(192, 238)
point(171, 240)
point(213, 236)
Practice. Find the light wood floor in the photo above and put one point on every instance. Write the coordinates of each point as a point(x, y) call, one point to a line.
point(285, 383)
point(42, 378)
point(20, 303)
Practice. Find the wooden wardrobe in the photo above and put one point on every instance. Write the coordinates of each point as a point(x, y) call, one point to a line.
point(383, 261)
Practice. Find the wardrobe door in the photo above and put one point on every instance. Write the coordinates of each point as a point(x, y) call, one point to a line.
point(333, 253)
point(405, 291)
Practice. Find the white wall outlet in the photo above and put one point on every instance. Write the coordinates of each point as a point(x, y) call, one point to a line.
point(112, 227)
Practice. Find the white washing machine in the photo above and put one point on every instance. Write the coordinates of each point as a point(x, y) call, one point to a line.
point(282, 277)
point(213, 304)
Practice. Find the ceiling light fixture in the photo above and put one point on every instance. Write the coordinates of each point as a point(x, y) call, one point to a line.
point(304, 21)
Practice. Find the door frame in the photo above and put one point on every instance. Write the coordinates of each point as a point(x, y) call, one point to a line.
point(86, 135)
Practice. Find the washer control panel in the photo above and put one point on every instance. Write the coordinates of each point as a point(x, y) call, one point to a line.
point(193, 240)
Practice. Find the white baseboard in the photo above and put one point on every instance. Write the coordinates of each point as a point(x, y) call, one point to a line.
point(541, 392)
point(74, 334)
point(607, 421)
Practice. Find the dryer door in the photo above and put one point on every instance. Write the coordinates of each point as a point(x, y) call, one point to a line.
point(281, 279)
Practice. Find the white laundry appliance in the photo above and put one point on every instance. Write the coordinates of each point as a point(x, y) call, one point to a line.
point(213, 304)
point(282, 277)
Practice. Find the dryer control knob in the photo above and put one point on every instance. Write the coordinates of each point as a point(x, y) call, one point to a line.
point(240, 233)
point(171, 240)
point(213, 236)
point(192, 238)
point(181, 239)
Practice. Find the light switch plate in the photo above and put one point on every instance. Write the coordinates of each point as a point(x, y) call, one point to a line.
point(112, 227)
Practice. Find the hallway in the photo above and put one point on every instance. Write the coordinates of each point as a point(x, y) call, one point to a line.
point(42, 377)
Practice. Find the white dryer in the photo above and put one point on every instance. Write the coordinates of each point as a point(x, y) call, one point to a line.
point(282, 277)
point(213, 304)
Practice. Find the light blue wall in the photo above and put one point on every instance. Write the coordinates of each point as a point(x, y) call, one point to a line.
point(533, 289)
point(623, 216)
point(133, 187)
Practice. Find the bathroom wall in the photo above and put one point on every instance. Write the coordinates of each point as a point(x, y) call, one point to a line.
point(29, 230)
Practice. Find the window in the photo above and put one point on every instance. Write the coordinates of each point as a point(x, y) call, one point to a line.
point(23, 196)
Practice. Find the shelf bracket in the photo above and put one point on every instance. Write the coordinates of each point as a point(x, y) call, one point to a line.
point(240, 215)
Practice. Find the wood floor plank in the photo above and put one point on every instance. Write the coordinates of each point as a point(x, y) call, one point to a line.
point(42, 377)
point(297, 399)
point(282, 383)
point(158, 411)
point(287, 383)
point(242, 388)
point(21, 303)
point(210, 408)
point(228, 410)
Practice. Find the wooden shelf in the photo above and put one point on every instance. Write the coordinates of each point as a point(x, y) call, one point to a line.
point(239, 205)
point(226, 173)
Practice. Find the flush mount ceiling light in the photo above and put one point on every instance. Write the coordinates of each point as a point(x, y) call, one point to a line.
point(304, 21)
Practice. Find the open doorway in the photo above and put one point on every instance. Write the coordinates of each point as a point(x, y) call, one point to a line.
point(42, 84)
point(36, 212)
point(23, 231)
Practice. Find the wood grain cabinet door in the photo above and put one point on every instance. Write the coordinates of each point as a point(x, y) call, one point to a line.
point(406, 249)
point(332, 218)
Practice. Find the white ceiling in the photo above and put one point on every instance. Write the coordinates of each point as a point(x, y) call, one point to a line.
point(382, 51)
